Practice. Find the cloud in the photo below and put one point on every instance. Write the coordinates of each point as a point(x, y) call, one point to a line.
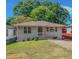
point(69, 9)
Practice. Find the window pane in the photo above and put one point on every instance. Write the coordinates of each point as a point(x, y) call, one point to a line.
point(51, 29)
point(29, 29)
point(56, 29)
point(47, 29)
point(25, 29)
point(39, 29)
point(14, 32)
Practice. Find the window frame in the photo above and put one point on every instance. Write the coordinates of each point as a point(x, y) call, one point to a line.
point(51, 29)
point(29, 30)
point(56, 29)
point(25, 30)
point(47, 29)
point(40, 29)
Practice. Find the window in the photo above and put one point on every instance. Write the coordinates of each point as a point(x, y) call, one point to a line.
point(14, 33)
point(39, 29)
point(47, 29)
point(55, 29)
point(29, 29)
point(25, 29)
point(6, 32)
point(51, 29)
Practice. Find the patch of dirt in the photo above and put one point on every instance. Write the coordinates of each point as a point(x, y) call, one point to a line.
point(17, 56)
point(63, 43)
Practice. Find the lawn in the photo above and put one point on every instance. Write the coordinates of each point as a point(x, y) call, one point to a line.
point(42, 49)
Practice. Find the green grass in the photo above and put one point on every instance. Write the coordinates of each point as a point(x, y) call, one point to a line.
point(41, 49)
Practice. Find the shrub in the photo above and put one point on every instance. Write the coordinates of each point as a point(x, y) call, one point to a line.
point(23, 40)
point(28, 39)
point(55, 37)
point(36, 39)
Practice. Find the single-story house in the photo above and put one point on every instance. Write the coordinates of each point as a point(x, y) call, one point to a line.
point(41, 29)
point(10, 33)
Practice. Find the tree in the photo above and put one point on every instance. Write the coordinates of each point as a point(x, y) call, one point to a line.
point(42, 13)
point(9, 19)
point(20, 19)
point(54, 12)
point(25, 8)
point(61, 13)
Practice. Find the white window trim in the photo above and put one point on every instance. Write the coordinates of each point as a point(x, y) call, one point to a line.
point(27, 32)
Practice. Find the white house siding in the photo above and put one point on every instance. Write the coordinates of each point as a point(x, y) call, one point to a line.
point(24, 36)
point(43, 32)
point(10, 33)
point(19, 33)
point(10, 37)
point(51, 34)
point(57, 34)
point(34, 33)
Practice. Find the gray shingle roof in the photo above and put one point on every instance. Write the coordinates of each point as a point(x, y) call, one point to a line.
point(39, 23)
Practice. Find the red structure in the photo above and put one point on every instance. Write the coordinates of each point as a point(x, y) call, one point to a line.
point(66, 36)
point(64, 30)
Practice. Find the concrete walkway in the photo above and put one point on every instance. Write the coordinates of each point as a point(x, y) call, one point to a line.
point(63, 43)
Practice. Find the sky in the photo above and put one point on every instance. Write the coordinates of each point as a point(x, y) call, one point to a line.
point(11, 3)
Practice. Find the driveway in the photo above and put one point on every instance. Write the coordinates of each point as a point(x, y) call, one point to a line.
point(63, 43)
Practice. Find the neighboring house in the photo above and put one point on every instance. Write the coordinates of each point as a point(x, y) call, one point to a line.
point(69, 29)
point(41, 29)
point(10, 34)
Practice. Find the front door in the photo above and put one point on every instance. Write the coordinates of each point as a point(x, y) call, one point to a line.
point(40, 31)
